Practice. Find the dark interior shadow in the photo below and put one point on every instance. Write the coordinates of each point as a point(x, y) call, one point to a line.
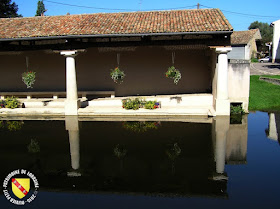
point(45, 103)
point(84, 104)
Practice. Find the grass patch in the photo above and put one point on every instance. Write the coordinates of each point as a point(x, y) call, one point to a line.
point(254, 60)
point(264, 96)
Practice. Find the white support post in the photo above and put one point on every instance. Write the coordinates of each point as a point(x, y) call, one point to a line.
point(222, 100)
point(71, 103)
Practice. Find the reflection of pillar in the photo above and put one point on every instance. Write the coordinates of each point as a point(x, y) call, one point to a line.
point(272, 129)
point(72, 125)
point(221, 125)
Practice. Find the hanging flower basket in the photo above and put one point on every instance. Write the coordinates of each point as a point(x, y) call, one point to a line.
point(173, 73)
point(29, 78)
point(117, 75)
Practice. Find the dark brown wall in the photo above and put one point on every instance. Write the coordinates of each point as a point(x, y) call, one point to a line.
point(144, 67)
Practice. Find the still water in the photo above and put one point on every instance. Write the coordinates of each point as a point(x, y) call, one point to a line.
point(154, 164)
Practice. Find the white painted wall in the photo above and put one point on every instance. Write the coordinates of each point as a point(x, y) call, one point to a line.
point(275, 41)
point(247, 52)
point(238, 52)
point(239, 83)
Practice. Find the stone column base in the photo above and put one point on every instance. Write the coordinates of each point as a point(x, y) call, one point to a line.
point(222, 107)
point(71, 107)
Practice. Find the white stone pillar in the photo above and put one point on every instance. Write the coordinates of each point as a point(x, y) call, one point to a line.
point(275, 41)
point(222, 100)
point(71, 103)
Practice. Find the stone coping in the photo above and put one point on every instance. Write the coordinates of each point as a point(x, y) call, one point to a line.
point(270, 80)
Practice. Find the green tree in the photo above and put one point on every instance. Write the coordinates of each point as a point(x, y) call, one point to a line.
point(40, 8)
point(266, 32)
point(8, 9)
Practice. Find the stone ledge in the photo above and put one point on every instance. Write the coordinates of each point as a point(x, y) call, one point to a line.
point(239, 61)
point(270, 80)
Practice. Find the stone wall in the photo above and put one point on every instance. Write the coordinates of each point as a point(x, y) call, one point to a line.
point(239, 82)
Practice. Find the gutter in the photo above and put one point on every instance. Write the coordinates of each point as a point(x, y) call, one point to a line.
point(113, 35)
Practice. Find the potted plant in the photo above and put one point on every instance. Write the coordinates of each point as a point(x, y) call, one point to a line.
point(173, 73)
point(29, 78)
point(117, 75)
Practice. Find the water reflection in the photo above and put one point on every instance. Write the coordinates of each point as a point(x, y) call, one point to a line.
point(273, 127)
point(72, 126)
point(167, 158)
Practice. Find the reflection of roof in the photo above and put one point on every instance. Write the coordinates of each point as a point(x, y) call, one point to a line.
point(243, 37)
point(177, 21)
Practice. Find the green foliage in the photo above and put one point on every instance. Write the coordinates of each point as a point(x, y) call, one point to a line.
point(264, 96)
point(173, 73)
point(137, 103)
point(117, 75)
point(14, 125)
point(254, 60)
point(151, 105)
point(34, 146)
point(12, 102)
point(40, 8)
point(2, 104)
point(2, 125)
point(140, 126)
point(266, 32)
point(133, 104)
point(8, 9)
point(236, 110)
point(120, 151)
point(29, 78)
point(173, 151)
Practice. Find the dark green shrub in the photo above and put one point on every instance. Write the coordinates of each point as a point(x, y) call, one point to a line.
point(29, 78)
point(140, 126)
point(34, 146)
point(14, 125)
point(120, 151)
point(2, 125)
point(236, 113)
point(173, 73)
point(254, 60)
point(236, 110)
point(12, 102)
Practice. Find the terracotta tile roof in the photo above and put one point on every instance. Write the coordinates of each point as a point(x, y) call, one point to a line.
point(243, 37)
point(201, 20)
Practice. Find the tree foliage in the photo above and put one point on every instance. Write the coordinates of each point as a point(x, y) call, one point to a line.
point(40, 8)
point(266, 32)
point(8, 9)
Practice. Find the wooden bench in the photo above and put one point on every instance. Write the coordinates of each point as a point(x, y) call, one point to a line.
point(55, 94)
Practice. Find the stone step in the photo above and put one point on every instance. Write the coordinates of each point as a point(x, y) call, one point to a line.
point(166, 101)
point(113, 110)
